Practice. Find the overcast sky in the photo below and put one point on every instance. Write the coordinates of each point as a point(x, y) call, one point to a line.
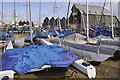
point(47, 8)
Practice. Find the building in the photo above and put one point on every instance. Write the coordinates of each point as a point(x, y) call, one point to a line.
point(97, 16)
point(46, 21)
point(64, 23)
point(52, 21)
point(117, 29)
point(55, 22)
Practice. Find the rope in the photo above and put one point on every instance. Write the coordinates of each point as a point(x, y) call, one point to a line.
point(69, 75)
point(18, 77)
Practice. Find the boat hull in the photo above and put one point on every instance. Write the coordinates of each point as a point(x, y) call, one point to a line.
point(85, 67)
point(90, 56)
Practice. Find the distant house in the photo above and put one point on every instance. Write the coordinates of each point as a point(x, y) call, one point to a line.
point(96, 17)
point(46, 21)
point(64, 22)
point(55, 22)
point(52, 21)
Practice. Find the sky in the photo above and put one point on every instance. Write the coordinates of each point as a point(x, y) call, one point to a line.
point(47, 8)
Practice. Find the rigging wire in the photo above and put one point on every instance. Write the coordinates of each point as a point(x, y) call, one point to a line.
point(102, 13)
point(68, 14)
point(2, 13)
point(14, 13)
point(39, 13)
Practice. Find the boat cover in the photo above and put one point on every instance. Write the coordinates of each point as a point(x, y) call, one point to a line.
point(9, 35)
point(63, 33)
point(22, 60)
point(1, 34)
point(90, 48)
point(98, 27)
point(74, 36)
point(52, 32)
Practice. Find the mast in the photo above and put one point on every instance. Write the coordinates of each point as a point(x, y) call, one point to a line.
point(83, 21)
point(30, 22)
point(54, 12)
point(2, 13)
point(39, 13)
point(59, 23)
point(56, 9)
point(14, 13)
point(26, 10)
point(112, 19)
point(87, 21)
point(68, 14)
point(102, 14)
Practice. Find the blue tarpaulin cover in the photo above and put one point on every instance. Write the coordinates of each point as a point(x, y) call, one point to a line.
point(22, 60)
point(52, 32)
point(63, 33)
point(99, 27)
point(6, 37)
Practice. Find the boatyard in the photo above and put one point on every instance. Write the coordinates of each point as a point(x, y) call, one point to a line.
point(69, 41)
point(107, 69)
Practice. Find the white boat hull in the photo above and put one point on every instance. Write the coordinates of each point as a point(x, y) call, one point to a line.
point(86, 69)
point(90, 71)
point(9, 73)
point(111, 43)
point(90, 56)
point(19, 43)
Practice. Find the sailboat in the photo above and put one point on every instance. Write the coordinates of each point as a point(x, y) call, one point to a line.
point(111, 42)
point(34, 58)
point(20, 42)
point(78, 45)
point(5, 33)
point(89, 40)
point(77, 35)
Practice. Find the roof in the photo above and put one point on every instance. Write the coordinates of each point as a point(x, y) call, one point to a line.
point(92, 9)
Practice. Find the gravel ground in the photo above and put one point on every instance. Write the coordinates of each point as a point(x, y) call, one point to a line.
point(106, 70)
